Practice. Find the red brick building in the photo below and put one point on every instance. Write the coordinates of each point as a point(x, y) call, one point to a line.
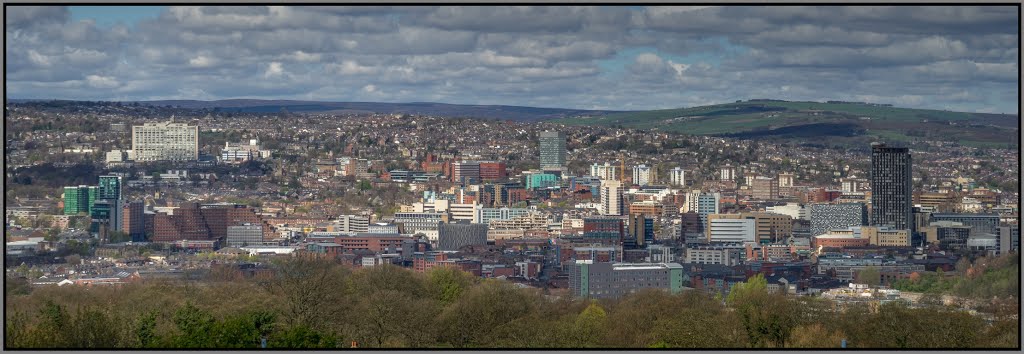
point(193, 221)
point(372, 242)
point(839, 242)
point(423, 262)
point(134, 220)
point(493, 170)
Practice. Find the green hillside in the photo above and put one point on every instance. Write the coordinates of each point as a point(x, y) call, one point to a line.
point(783, 120)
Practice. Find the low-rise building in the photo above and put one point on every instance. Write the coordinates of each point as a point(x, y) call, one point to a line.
point(614, 280)
point(847, 268)
point(719, 253)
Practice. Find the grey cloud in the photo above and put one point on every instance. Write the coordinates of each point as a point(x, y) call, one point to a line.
point(508, 18)
point(565, 50)
point(922, 50)
point(216, 19)
point(808, 35)
point(17, 17)
point(525, 55)
point(416, 40)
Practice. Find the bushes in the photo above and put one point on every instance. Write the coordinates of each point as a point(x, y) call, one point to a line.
point(315, 304)
point(987, 277)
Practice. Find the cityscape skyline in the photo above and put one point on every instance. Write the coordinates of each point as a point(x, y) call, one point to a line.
point(815, 191)
point(618, 58)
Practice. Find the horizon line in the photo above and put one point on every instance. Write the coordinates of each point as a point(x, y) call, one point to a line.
point(6, 99)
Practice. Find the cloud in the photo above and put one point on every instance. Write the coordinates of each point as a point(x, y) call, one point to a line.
point(38, 59)
point(102, 82)
point(273, 70)
point(201, 62)
point(18, 17)
point(569, 56)
point(301, 56)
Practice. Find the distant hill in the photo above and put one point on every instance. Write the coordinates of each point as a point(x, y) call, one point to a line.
point(837, 121)
point(517, 113)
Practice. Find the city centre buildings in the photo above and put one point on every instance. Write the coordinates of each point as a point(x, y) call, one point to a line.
point(165, 141)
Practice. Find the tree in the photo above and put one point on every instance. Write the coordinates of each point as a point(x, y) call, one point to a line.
point(93, 328)
point(895, 325)
point(311, 291)
point(195, 326)
point(389, 318)
point(44, 221)
point(448, 283)
point(49, 333)
point(145, 330)
point(814, 335)
point(16, 333)
point(300, 337)
point(114, 236)
point(483, 311)
point(242, 331)
point(16, 286)
point(962, 266)
point(870, 276)
point(589, 326)
point(73, 259)
point(768, 318)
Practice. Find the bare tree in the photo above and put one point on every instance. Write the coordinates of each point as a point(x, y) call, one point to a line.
point(312, 290)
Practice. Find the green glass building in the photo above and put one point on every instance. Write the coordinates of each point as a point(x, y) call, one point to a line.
point(109, 188)
point(541, 180)
point(79, 199)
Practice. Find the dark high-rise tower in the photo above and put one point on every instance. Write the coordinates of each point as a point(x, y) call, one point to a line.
point(891, 187)
point(552, 150)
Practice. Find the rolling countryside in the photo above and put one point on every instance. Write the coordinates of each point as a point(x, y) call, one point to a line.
point(840, 121)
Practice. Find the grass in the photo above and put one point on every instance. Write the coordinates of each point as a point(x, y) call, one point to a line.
point(885, 122)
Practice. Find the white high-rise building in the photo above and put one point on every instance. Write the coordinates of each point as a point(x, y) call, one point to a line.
point(611, 197)
point(728, 173)
point(677, 176)
point(691, 201)
point(604, 172)
point(352, 223)
point(748, 178)
point(641, 175)
point(785, 180)
point(732, 230)
point(165, 141)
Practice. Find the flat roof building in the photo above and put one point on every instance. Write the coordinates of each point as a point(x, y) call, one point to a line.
point(614, 280)
point(165, 141)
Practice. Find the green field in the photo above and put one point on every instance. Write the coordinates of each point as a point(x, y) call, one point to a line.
point(895, 123)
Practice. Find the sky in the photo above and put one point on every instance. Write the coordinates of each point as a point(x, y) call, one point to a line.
point(961, 58)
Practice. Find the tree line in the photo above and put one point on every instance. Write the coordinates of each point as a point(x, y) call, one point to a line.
point(308, 303)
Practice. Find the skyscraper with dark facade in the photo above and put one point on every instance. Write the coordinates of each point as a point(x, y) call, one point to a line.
point(641, 230)
point(552, 150)
point(133, 220)
point(891, 187)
